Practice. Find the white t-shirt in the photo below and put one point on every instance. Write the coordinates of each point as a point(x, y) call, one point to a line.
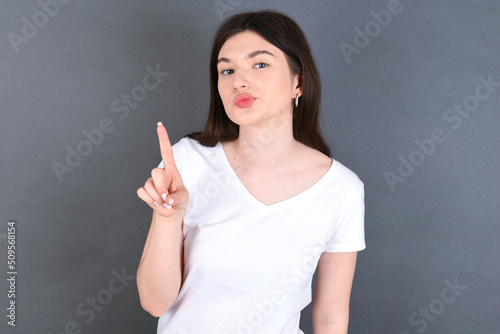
point(248, 266)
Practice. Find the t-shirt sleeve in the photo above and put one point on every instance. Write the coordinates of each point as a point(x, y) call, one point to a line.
point(348, 234)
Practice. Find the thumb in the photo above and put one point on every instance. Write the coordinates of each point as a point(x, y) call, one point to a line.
point(178, 199)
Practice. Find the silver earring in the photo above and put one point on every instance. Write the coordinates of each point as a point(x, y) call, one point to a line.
point(297, 101)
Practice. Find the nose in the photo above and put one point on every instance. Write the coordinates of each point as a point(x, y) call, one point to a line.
point(240, 81)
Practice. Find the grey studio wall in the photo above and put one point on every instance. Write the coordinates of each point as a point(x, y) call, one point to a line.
point(410, 104)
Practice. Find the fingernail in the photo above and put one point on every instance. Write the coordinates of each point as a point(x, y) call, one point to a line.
point(167, 206)
point(156, 204)
point(159, 123)
point(164, 196)
point(170, 200)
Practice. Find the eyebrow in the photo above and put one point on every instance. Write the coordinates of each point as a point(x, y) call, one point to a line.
point(250, 55)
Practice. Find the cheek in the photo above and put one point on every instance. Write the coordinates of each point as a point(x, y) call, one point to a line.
point(278, 84)
point(280, 89)
point(221, 86)
point(223, 94)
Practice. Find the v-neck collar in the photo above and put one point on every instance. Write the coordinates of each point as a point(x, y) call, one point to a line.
point(275, 206)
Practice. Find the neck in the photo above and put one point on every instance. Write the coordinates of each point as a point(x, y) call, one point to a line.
point(268, 145)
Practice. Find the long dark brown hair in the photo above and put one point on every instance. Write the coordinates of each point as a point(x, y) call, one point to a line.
point(284, 33)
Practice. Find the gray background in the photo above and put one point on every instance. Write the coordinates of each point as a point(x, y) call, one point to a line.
point(438, 226)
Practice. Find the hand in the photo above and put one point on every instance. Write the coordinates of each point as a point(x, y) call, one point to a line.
point(164, 191)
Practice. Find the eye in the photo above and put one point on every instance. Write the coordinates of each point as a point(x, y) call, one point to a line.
point(261, 65)
point(227, 72)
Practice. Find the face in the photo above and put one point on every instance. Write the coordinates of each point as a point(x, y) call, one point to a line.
point(255, 80)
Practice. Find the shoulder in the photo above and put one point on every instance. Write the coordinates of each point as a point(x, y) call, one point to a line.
point(316, 160)
point(348, 181)
point(185, 142)
point(342, 176)
point(186, 147)
point(192, 152)
point(183, 151)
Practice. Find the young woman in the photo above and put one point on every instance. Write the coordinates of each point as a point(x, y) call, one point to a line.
point(245, 211)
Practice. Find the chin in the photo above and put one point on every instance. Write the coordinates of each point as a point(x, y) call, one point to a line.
point(243, 116)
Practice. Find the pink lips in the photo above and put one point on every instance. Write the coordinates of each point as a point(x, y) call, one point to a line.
point(244, 100)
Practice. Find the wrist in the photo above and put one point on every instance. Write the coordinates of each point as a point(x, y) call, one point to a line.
point(176, 217)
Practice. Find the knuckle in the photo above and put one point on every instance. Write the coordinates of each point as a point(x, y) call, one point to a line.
point(155, 171)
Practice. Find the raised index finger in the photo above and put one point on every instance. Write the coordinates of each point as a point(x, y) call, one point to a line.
point(165, 146)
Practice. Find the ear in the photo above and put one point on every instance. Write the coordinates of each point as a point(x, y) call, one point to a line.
point(298, 84)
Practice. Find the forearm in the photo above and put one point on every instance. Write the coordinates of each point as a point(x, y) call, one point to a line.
point(159, 275)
